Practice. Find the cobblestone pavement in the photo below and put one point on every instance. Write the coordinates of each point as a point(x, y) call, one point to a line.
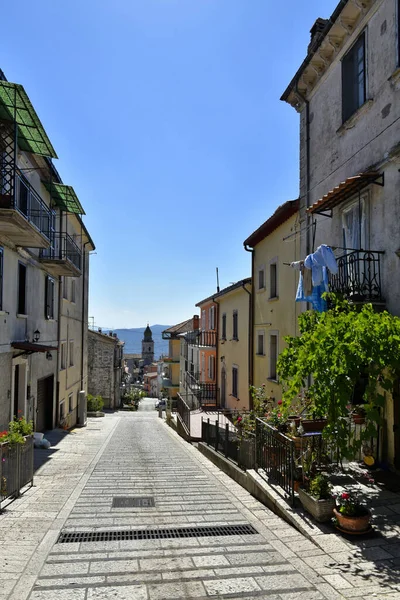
point(137, 455)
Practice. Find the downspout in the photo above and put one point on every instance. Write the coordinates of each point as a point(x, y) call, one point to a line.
point(251, 333)
point(59, 350)
point(250, 341)
point(83, 324)
point(216, 349)
point(308, 176)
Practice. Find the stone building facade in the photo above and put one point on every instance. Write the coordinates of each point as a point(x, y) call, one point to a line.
point(347, 91)
point(105, 367)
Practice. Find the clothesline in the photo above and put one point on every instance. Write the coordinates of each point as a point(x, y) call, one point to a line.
point(333, 248)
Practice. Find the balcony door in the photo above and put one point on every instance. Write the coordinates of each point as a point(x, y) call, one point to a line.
point(354, 226)
point(223, 387)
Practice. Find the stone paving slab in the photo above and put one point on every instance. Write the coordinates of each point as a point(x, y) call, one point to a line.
point(138, 455)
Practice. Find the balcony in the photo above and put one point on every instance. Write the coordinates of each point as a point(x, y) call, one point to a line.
point(359, 277)
point(202, 338)
point(63, 257)
point(24, 217)
point(206, 393)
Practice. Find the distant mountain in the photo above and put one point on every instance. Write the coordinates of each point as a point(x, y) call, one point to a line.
point(133, 339)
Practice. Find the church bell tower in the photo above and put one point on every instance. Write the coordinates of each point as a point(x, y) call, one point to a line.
point(147, 346)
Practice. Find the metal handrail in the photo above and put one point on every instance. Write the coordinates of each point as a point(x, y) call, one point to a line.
point(63, 247)
point(359, 276)
point(28, 202)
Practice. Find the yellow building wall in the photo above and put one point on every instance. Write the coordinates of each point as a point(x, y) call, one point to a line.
point(234, 353)
point(275, 315)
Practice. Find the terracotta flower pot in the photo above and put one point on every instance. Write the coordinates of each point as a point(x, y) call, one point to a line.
point(357, 524)
point(358, 418)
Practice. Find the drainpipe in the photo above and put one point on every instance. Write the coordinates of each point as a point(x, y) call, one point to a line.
point(251, 333)
point(250, 341)
point(83, 324)
point(308, 176)
point(216, 347)
point(58, 365)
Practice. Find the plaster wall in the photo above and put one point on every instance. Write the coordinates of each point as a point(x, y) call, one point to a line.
point(276, 315)
point(234, 352)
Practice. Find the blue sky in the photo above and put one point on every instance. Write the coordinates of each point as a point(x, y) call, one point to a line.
point(166, 118)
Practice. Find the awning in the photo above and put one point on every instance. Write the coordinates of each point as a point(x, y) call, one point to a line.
point(31, 347)
point(345, 190)
point(15, 106)
point(64, 196)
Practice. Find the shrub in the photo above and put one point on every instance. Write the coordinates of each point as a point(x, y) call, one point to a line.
point(94, 403)
point(320, 487)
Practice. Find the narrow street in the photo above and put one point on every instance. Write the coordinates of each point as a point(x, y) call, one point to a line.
point(142, 457)
point(144, 516)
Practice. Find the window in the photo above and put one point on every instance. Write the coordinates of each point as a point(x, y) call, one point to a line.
point(235, 325)
point(211, 317)
point(354, 224)
point(21, 307)
point(1, 277)
point(273, 288)
point(70, 402)
point(62, 409)
point(211, 367)
point(49, 298)
point(354, 79)
point(71, 353)
point(260, 343)
point(261, 278)
point(273, 355)
point(63, 355)
point(73, 290)
point(223, 336)
point(235, 373)
point(203, 319)
point(65, 287)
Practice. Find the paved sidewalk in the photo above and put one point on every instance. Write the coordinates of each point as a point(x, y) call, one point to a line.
point(136, 454)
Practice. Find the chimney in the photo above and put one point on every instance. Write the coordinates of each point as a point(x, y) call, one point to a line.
point(316, 31)
point(195, 322)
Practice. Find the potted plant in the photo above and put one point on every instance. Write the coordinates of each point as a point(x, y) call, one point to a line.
point(351, 516)
point(318, 500)
point(358, 415)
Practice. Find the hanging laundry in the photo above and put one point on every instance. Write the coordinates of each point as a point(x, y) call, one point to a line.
point(307, 281)
point(297, 264)
point(315, 298)
point(322, 257)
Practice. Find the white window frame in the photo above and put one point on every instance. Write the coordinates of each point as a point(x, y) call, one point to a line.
point(73, 291)
point(65, 288)
point(63, 359)
point(260, 334)
point(364, 199)
point(261, 269)
point(211, 367)
point(273, 263)
point(211, 317)
point(71, 353)
point(272, 374)
point(203, 319)
point(70, 403)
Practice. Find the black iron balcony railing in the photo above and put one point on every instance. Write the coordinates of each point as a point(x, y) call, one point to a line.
point(28, 202)
point(63, 247)
point(359, 276)
point(206, 393)
point(202, 338)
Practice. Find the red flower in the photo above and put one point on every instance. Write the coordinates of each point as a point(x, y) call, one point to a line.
point(279, 402)
point(279, 415)
point(345, 496)
point(239, 419)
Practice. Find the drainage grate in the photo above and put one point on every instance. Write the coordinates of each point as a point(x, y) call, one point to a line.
point(154, 534)
point(129, 502)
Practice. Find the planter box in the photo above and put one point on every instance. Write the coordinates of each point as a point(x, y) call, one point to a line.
point(95, 413)
point(321, 510)
point(311, 425)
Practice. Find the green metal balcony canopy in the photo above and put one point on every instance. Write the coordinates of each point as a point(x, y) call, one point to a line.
point(15, 106)
point(64, 197)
